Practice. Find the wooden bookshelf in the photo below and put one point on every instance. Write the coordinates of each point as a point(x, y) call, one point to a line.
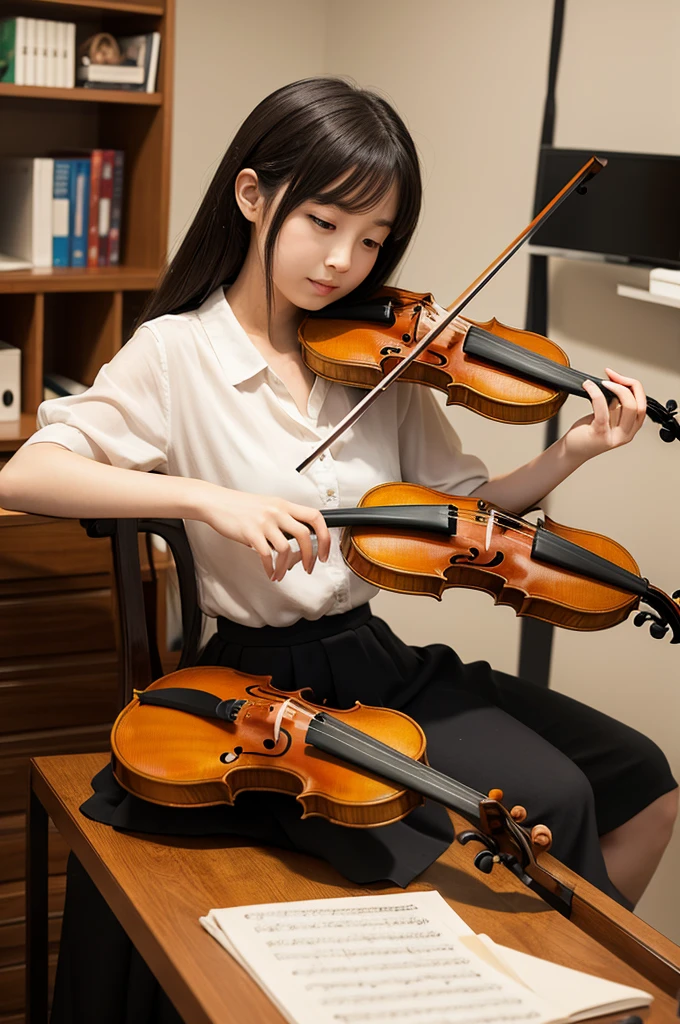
point(78, 95)
point(59, 660)
point(78, 318)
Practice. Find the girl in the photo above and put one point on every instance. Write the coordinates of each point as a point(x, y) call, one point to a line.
point(316, 199)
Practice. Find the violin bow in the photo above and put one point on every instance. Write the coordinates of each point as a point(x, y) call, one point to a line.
point(576, 184)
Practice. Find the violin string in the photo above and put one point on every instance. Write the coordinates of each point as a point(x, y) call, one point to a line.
point(386, 755)
point(505, 520)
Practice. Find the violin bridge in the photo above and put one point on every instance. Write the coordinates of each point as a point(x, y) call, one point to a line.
point(489, 529)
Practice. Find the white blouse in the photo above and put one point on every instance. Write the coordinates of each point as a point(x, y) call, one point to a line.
point(189, 395)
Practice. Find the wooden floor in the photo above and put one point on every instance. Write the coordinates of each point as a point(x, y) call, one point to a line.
point(160, 886)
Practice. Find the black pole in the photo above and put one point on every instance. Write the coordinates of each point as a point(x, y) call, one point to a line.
point(536, 637)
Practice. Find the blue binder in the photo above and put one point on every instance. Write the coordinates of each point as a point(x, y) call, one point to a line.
point(80, 210)
point(61, 214)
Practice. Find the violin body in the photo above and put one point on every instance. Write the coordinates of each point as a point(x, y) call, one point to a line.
point(182, 760)
point(500, 372)
point(566, 576)
point(361, 353)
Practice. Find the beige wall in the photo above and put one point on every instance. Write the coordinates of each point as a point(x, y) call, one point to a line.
point(469, 79)
point(228, 57)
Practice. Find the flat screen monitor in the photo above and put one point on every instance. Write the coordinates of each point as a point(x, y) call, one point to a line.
point(630, 213)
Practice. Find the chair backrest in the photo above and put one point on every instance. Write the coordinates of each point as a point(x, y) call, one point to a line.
point(140, 662)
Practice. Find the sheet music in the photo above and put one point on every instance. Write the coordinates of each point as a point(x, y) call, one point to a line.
point(371, 960)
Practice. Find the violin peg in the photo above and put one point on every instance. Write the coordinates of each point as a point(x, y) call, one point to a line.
point(518, 814)
point(496, 794)
point(541, 836)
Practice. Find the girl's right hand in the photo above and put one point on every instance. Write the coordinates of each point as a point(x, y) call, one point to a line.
point(266, 524)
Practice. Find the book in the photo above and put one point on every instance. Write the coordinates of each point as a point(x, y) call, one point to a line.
point(13, 50)
point(105, 198)
point(31, 52)
point(111, 74)
point(56, 385)
point(113, 255)
point(405, 955)
point(152, 73)
point(62, 43)
point(26, 209)
point(70, 54)
point(93, 217)
point(61, 214)
point(52, 60)
point(79, 211)
point(8, 50)
point(40, 51)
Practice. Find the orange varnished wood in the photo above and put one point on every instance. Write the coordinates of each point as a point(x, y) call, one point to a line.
point(192, 875)
point(421, 563)
point(78, 279)
point(41, 92)
point(172, 758)
point(353, 352)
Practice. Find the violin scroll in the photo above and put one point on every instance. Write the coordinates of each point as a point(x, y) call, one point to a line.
point(665, 617)
point(667, 416)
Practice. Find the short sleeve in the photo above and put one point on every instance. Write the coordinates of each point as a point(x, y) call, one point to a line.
point(123, 418)
point(429, 448)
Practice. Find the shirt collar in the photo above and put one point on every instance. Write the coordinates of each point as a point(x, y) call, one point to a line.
point(237, 355)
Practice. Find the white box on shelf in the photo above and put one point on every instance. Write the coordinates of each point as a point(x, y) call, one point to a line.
point(672, 291)
point(10, 382)
point(664, 274)
point(26, 208)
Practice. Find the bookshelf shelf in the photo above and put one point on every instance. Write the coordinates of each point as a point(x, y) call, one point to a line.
point(80, 95)
point(644, 295)
point(115, 6)
point(76, 279)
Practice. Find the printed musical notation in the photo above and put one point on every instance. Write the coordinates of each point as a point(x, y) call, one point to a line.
point(371, 960)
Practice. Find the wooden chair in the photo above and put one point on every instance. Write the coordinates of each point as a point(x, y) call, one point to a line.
point(140, 661)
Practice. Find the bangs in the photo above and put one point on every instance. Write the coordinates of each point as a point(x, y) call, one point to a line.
point(357, 183)
point(361, 188)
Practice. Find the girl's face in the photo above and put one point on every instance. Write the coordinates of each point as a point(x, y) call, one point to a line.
point(323, 252)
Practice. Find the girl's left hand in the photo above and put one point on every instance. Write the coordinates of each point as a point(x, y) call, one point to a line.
point(610, 424)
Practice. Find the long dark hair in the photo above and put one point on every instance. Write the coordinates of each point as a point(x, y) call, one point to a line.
point(304, 136)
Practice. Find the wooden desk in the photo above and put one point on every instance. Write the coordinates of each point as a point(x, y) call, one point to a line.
point(158, 888)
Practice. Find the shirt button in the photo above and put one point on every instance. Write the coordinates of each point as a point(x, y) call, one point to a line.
point(322, 456)
point(330, 492)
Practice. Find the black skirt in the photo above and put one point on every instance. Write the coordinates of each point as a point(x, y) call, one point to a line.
point(576, 770)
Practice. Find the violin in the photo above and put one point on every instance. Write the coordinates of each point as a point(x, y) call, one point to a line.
point(500, 372)
point(201, 736)
point(506, 374)
point(413, 539)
